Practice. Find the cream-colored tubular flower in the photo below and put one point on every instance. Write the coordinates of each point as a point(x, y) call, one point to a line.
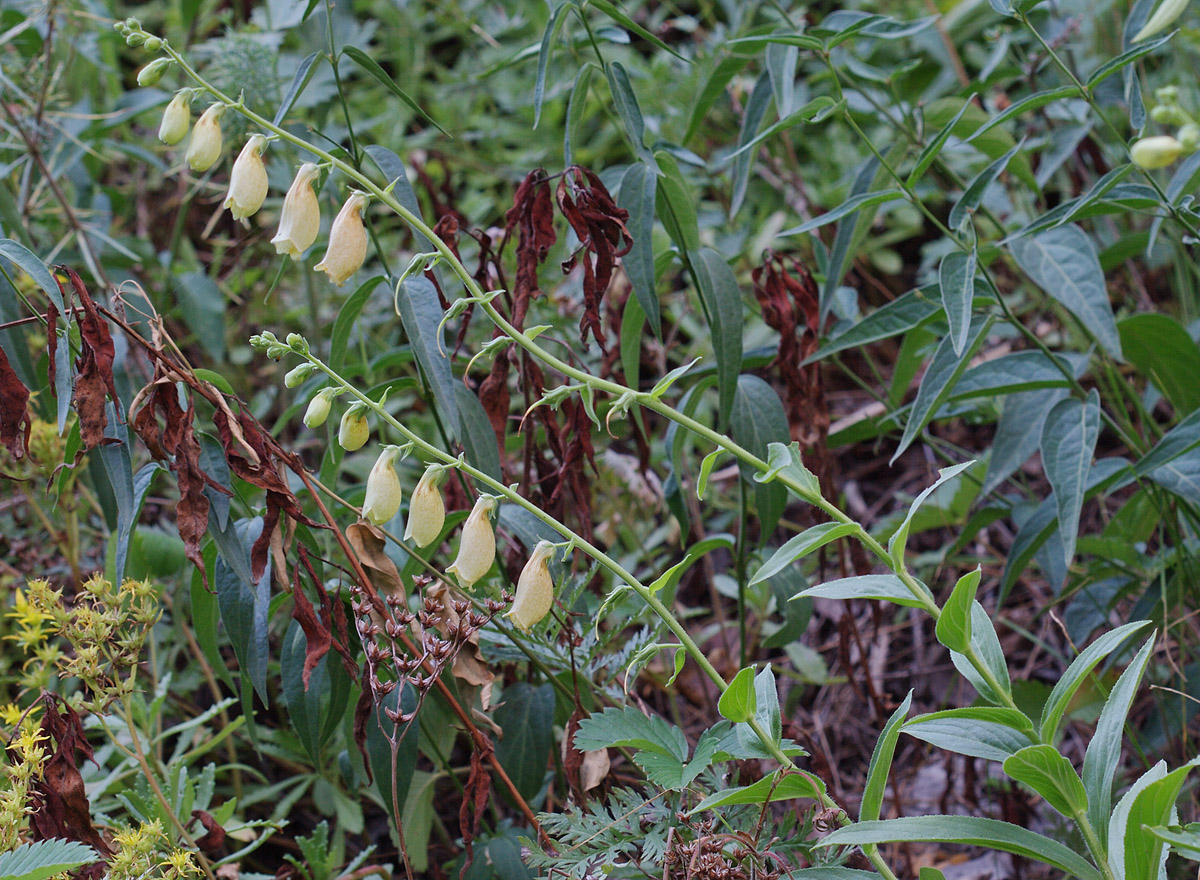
point(384, 492)
point(301, 217)
point(1155, 152)
point(477, 546)
point(353, 432)
point(347, 241)
point(248, 180)
point(426, 510)
point(204, 149)
point(176, 118)
point(318, 408)
point(535, 589)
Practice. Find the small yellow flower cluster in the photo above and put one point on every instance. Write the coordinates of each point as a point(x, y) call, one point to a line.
point(26, 756)
point(145, 851)
point(300, 219)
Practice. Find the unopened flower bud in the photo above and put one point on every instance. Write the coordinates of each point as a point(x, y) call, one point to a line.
point(248, 180)
point(384, 492)
point(1189, 137)
point(318, 408)
point(347, 242)
point(153, 72)
point(176, 118)
point(295, 377)
point(153, 44)
point(1155, 152)
point(301, 217)
point(535, 589)
point(353, 432)
point(426, 511)
point(204, 149)
point(135, 39)
point(477, 547)
point(297, 343)
point(1163, 17)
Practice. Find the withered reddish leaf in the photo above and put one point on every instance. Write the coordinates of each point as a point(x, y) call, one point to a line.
point(599, 225)
point(475, 795)
point(317, 636)
point(213, 839)
point(495, 396)
point(331, 629)
point(362, 715)
point(93, 368)
point(532, 215)
point(52, 343)
point(59, 801)
point(15, 423)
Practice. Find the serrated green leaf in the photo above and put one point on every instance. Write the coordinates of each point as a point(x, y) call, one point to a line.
point(628, 728)
point(43, 859)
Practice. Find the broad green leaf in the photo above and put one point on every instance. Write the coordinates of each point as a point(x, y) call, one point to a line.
point(29, 263)
point(786, 461)
point(939, 380)
point(930, 153)
point(781, 785)
point(855, 203)
point(303, 701)
point(766, 697)
point(637, 195)
point(478, 438)
point(1075, 675)
point(420, 311)
point(956, 278)
point(1068, 444)
point(676, 208)
point(758, 420)
point(1051, 775)
point(1018, 433)
point(304, 72)
point(738, 702)
point(1160, 347)
point(886, 587)
point(1181, 439)
point(526, 716)
point(899, 316)
point(1151, 804)
point(627, 107)
point(371, 66)
point(989, 732)
point(881, 762)
point(244, 603)
point(756, 109)
point(968, 830)
point(722, 298)
point(418, 816)
point(973, 195)
point(800, 546)
point(1063, 262)
point(1104, 751)
point(899, 539)
point(667, 772)
point(954, 624)
point(43, 859)
point(1016, 373)
point(628, 728)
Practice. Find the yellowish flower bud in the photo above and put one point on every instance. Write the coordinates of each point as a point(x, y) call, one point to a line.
point(477, 547)
point(1155, 152)
point(176, 118)
point(347, 242)
point(153, 72)
point(426, 511)
point(301, 217)
point(204, 149)
point(1163, 17)
point(248, 180)
point(318, 408)
point(535, 589)
point(296, 375)
point(353, 432)
point(383, 489)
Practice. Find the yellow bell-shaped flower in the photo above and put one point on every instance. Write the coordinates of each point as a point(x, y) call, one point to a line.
point(176, 118)
point(353, 432)
point(384, 492)
point(204, 149)
point(248, 180)
point(535, 589)
point(426, 510)
point(347, 241)
point(301, 217)
point(477, 547)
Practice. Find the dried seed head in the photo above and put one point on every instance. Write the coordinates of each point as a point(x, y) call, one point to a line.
point(248, 180)
point(426, 511)
point(383, 488)
point(301, 217)
point(347, 242)
point(535, 589)
point(477, 547)
point(204, 149)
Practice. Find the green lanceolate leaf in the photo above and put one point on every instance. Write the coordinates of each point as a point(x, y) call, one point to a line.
point(371, 66)
point(886, 587)
point(421, 313)
point(993, 733)
point(973, 194)
point(1068, 444)
point(549, 36)
point(786, 461)
point(759, 420)
point(675, 206)
point(855, 203)
point(722, 298)
point(930, 153)
point(899, 316)
point(899, 539)
point(637, 195)
point(627, 107)
point(1149, 802)
point(781, 785)
point(881, 762)
point(954, 624)
point(956, 278)
point(800, 546)
point(739, 702)
point(995, 686)
point(756, 109)
point(304, 72)
point(1051, 775)
point(527, 718)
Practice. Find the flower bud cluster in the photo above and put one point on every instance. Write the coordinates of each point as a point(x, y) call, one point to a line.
point(1159, 151)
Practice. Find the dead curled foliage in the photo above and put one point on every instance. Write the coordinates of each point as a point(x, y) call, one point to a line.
point(15, 423)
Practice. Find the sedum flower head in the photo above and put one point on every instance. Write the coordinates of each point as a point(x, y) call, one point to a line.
point(426, 511)
point(248, 180)
point(353, 432)
point(535, 589)
point(301, 217)
point(1155, 152)
point(176, 118)
point(477, 547)
point(384, 492)
point(347, 241)
point(318, 408)
point(204, 149)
